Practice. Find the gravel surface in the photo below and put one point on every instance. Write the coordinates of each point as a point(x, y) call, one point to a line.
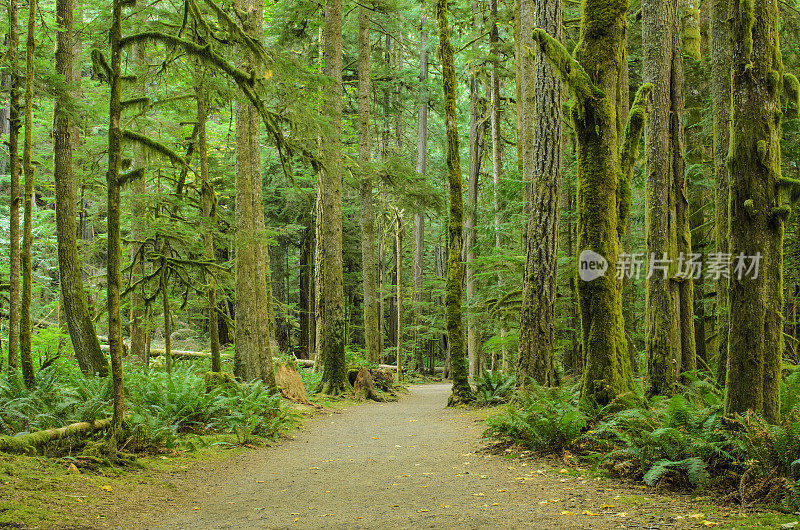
point(409, 464)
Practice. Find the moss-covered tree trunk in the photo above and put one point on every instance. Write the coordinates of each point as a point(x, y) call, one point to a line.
point(477, 133)
point(164, 287)
point(757, 211)
point(209, 214)
point(371, 331)
point(669, 321)
point(25, 330)
point(114, 239)
point(334, 372)
point(418, 259)
point(497, 173)
point(81, 329)
point(455, 223)
point(14, 125)
point(721, 57)
point(253, 353)
point(539, 288)
point(605, 160)
point(398, 231)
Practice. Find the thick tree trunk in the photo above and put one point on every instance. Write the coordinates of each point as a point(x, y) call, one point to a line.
point(253, 353)
point(334, 374)
point(164, 286)
point(14, 170)
point(455, 266)
point(537, 318)
point(605, 159)
point(670, 338)
point(757, 212)
point(277, 261)
point(721, 57)
point(526, 94)
point(25, 330)
point(307, 335)
point(81, 329)
point(371, 331)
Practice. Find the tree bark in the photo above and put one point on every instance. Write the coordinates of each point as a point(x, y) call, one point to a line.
point(114, 239)
point(455, 270)
point(721, 58)
point(25, 330)
point(14, 170)
point(399, 258)
point(669, 336)
point(476, 137)
point(371, 331)
point(253, 353)
point(208, 210)
point(537, 318)
point(81, 329)
point(419, 215)
point(334, 375)
point(757, 211)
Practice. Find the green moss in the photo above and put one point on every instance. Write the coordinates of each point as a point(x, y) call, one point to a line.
point(763, 153)
point(749, 207)
point(782, 212)
point(792, 87)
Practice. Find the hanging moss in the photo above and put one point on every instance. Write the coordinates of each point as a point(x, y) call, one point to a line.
point(153, 146)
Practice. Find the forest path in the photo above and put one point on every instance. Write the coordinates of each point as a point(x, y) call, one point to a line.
point(410, 464)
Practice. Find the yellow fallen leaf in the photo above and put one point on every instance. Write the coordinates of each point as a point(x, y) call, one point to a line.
point(106, 487)
point(296, 519)
point(606, 506)
point(563, 471)
point(376, 437)
point(74, 469)
point(587, 512)
point(196, 507)
point(422, 511)
point(478, 494)
point(696, 516)
point(501, 491)
point(78, 499)
point(621, 514)
point(495, 504)
point(565, 512)
point(708, 523)
point(542, 502)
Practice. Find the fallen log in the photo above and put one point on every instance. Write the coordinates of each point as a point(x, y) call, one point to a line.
point(29, 443)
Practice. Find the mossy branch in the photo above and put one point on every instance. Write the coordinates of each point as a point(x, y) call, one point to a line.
point(237, 32)
point(142, 104)
point(630, 149)
point(99, 63)
point(792, 88)
point(135, 174)
point(153, 146)
point(570, 70)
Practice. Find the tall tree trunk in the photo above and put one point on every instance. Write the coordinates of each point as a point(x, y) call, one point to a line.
point(399, 245)
point(371, 331)
point(334, 374)
point(757, 212)
point(605, 161)
point(307, 335)
point(73, 296)
point(419, 215)
point(25, 330)
point(114, 239)
point(164, 287)
point(525, 103)
point(670, 337)
point(455, 266)
point(497, 171)
point(209, 214)
point(253, 353)
point(277, 262)
point(13, 150)
point(721, 58)
point(476, 137)
point(537, 318)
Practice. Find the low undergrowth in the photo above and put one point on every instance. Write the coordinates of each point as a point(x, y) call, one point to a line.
point(163, 411)
point(683, 442)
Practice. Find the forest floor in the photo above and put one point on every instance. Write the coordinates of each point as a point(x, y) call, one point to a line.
point(407, 464)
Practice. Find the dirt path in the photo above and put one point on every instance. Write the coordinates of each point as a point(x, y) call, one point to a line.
point(411, 464)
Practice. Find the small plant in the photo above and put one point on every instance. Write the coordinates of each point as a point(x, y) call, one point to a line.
point(494, 387)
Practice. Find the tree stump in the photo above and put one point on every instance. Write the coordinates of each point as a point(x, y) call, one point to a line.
point(364, 387)
point(287, 378)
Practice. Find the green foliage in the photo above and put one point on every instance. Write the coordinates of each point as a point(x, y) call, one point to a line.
point(494, 387)
point(543, 419)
